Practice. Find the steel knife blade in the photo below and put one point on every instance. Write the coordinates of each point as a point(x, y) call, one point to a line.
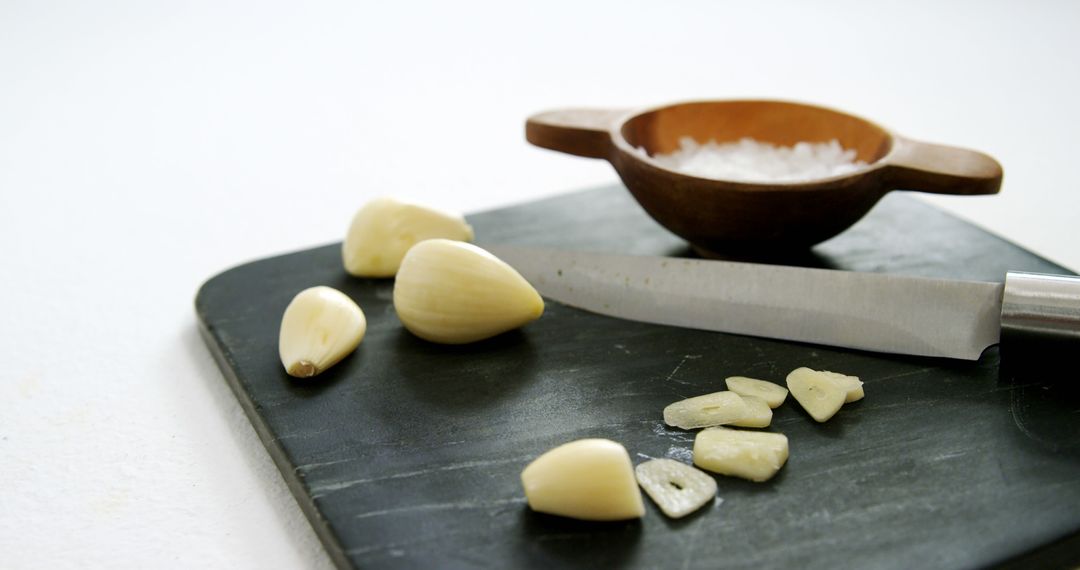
point(867, 311)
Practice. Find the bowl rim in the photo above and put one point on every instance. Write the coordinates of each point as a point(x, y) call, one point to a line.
point(640, 154)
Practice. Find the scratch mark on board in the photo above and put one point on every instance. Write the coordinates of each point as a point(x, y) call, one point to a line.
point(457, 506)
point(322, 490)
point(904, 374)
point(949, 455)
point(671, 376)
point(399, 546)
point(310, 466)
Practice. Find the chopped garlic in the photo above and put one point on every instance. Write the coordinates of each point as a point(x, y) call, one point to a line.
point(677, 488)
point(707, 410)
point(753, 455)
point(758, 414)
point(851, 384)
point(821, 395)
point(773, 394)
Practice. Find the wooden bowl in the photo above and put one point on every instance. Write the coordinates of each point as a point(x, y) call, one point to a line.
point(722, 218)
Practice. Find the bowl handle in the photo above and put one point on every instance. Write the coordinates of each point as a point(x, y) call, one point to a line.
point(583, 132)
point(940, 169)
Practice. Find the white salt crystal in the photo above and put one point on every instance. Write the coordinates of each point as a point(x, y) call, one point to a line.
point(751, 161)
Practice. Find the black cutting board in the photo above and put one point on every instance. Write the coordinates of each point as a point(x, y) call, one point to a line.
point(407, 454)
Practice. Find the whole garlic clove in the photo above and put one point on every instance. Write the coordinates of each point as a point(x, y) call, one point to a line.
point(320, 327)
point(587, 479)
point(452, 292)
point(385, 229)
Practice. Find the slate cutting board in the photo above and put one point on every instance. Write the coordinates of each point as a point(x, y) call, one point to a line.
point(407, 454)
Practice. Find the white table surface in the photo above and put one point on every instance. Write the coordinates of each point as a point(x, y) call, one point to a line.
point(147, 146)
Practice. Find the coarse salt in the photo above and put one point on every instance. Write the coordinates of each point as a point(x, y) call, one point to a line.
point(751, 161)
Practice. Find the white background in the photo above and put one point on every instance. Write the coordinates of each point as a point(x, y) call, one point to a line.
point(147, 146)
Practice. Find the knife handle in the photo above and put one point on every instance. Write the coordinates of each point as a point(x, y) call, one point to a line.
point(1040, 314)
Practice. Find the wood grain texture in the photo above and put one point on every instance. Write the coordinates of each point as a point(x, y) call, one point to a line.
point(722, 217)
point(408, 454)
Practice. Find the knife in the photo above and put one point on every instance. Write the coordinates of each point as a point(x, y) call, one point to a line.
point(867, 311)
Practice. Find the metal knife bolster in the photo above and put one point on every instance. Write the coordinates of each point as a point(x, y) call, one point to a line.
point(1040, 309)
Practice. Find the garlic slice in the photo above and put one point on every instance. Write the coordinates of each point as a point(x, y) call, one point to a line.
point(773, 394)
point(819, 394)
point(707, 410)
point(851, 384)
point(587, 479)
point(677, 488)
point(384, 229)
point(753, 455)
point(758, 414)
point(320, 327)
point(453, 293)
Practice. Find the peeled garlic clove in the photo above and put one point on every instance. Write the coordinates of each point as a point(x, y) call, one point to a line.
point(454, 293)
point(753, 455)
point(384, 229)
point(587, 479)
point(677, 488)
point(708, 410)
point(320, 327)
point(773, 394)
point(851, 384)
point(758, 414)
point(820, 395)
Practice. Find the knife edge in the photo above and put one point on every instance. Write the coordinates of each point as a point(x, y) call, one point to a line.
point(865, 311)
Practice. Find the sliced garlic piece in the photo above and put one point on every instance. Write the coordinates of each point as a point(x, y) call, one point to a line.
point(773, 394)
point(758, 414)
point(454, 293)
point(384, 229)
point(677, 488)
point(587, 479)
point(707, 410)
point(820, 395)
point(753, 455)
point(851, 384)
point(320, 327)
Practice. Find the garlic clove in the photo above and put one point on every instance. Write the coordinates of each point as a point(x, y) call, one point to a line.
point(320, 327)
point(851, 384)
point(677, 488)
point(587, 479)
point(707, 410)
point(773, 394)
point(385, 229)
point(758, 414)
point(452, 292)
point(820, 395)
point(753, 455)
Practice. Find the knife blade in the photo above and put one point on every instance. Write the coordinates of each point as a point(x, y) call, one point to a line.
point(866, 311)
